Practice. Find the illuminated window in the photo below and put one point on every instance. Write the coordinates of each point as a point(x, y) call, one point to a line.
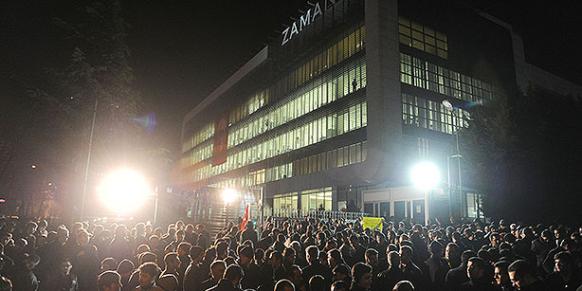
point(432, 115)
point(316, 199)
point(422, 74)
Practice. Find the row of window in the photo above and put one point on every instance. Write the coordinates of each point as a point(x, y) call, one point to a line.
point(204, 134)
point(314, 199)
point(258, 177)
point(253, 104)
point(334, 54)
point(422, 74)
point(421, 37)
point(325, 90)
point(200, 154)
point(425, 113)
point(340, 157)
point(323, 128)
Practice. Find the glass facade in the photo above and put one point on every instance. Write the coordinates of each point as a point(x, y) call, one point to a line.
point(333, 124)
point(333, 55)
point(423, 74)
point(429, 114)
point(316, 199)
point(311, 200)
point(336, 158)
point(322, 91)
point(285, 202)
point(312, 85)
point(200, 136)
point(421, 37)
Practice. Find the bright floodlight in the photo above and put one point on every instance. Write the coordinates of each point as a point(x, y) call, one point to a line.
point(229, 195)
point(425, 175)
point(124, 191)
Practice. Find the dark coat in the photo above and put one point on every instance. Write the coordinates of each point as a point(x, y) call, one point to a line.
point(224, 285)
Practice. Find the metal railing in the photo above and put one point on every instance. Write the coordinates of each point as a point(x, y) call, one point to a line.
point(325, 214)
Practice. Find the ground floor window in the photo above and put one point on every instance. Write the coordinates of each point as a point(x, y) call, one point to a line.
point(285, 202)
point(316, 199)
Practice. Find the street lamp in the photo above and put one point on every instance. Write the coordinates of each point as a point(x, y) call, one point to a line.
point(425, 176)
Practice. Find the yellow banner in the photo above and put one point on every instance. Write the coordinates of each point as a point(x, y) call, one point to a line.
point(373, 223)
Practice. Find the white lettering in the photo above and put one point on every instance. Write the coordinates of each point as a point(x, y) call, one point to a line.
point(285, 35)
point(316, 11)
point(294, 30)
point(305, 20)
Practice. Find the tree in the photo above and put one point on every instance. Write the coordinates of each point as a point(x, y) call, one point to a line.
point(55, 122)
point(525, 153)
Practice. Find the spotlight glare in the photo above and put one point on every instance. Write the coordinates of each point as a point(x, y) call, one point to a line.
point(229, 195)
point(124, 191)
point(425, 175)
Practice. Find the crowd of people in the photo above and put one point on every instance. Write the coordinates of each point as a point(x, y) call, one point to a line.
point(307, 254)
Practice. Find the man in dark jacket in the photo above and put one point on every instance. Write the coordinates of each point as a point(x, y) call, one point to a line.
point(479, 280)
point(314, 267)
point(231, 280)
point(251, 279)
point(249, 234)
point(217, 269)
point(457, 276)
point(524, 278)
point(194, 274)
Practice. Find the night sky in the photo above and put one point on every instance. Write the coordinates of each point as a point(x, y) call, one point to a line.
point(182, 50)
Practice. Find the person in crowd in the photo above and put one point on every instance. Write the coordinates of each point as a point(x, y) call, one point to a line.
point(566, 275)
point(524, 277)
point(436, 266)
point(217, 269)
point(231, 280)
point(109, 281)
point(362, 277)
point(168, 282)
point(314, 267)
point(148, 275)
point(457, 276)
point(252, 276)
point(62, 279)
point(311, 252)
point(501, 276)
point(410, 271)
point(284, 285)
point(479, 279)
point(194, 274)
point(403, 285)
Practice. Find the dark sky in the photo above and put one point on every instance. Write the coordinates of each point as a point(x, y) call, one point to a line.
point(182, 50)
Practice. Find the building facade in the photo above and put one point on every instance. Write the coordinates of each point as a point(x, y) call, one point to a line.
point(333, 114)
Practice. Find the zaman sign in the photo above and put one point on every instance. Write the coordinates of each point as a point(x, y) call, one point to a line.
point(304, 21)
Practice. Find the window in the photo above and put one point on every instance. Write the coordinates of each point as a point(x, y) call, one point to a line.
point(422, 74)
point(316, 199)
point(424, 113)
point(423, 38)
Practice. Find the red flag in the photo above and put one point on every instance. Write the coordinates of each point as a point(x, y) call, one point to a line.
point(245, 219)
